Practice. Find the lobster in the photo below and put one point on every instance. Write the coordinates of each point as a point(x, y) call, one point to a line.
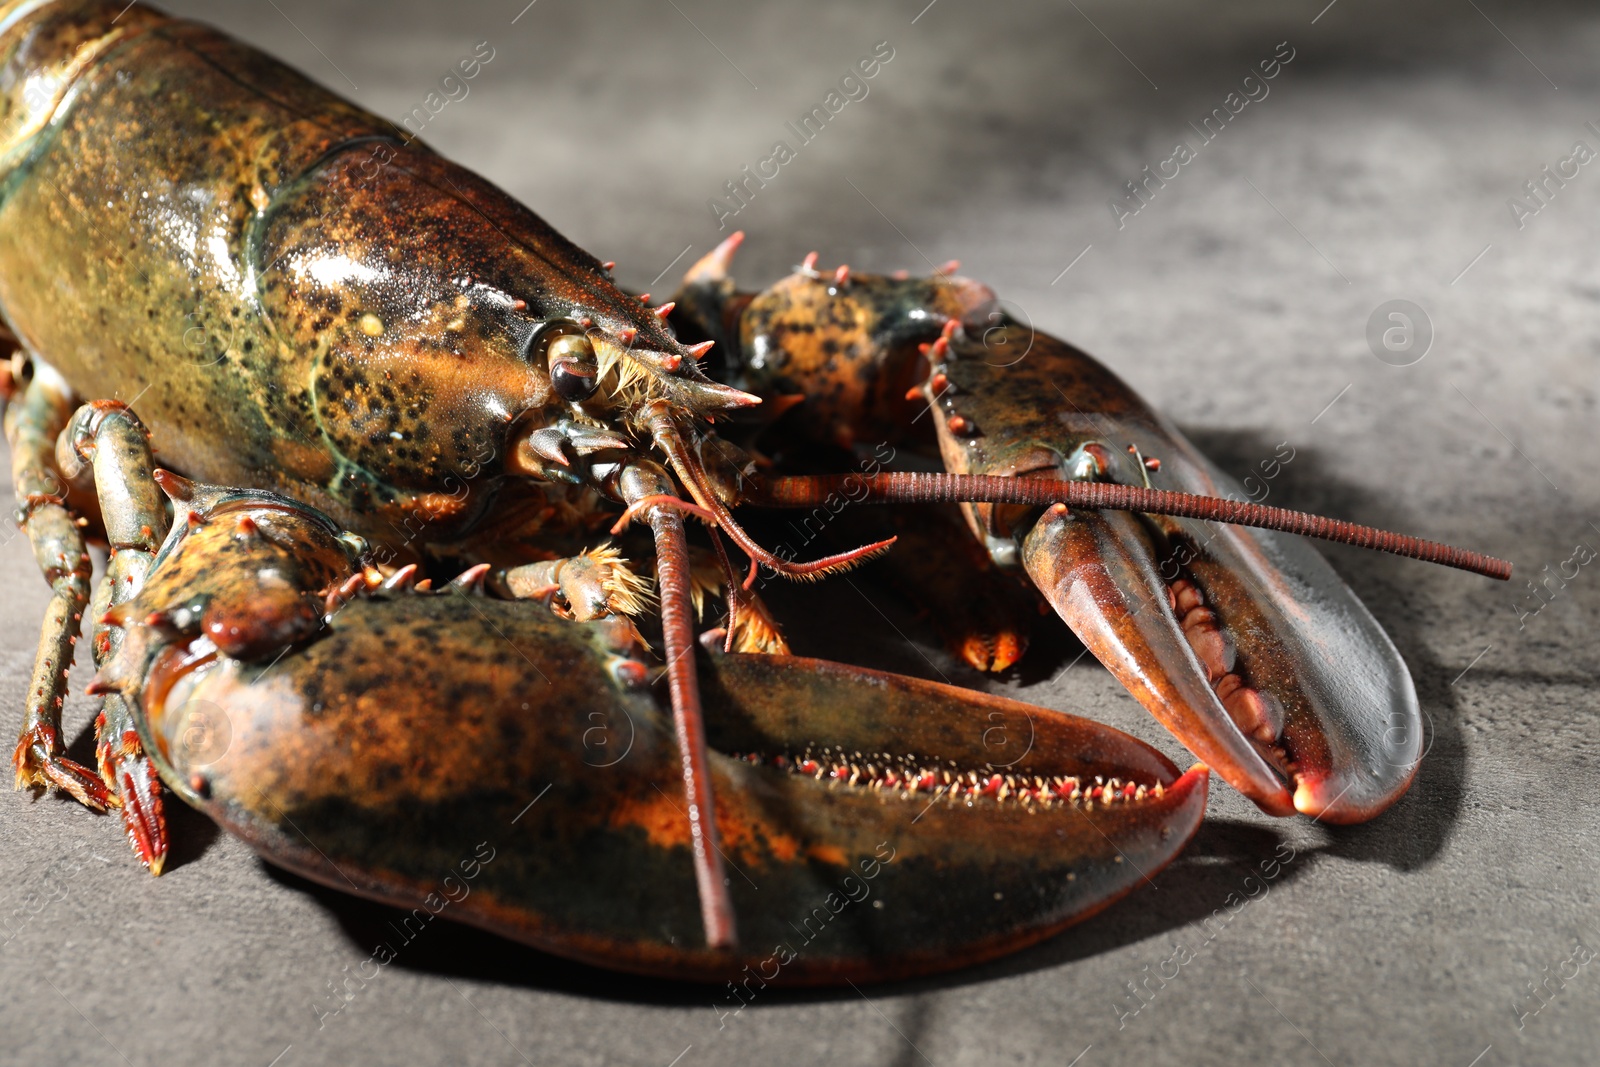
point(396, 366)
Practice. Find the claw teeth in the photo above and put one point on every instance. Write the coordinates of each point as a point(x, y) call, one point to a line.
point(1257, 714)
point(910, 775)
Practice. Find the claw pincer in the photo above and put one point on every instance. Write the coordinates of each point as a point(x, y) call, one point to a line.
point(372, 735)
point(1243, 642)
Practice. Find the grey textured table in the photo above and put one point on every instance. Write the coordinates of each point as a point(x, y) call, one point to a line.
point(1378, 166)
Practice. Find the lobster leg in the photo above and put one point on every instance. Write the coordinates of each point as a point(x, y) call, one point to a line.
point(591, 585)
point(31, 427)
point(105, 442)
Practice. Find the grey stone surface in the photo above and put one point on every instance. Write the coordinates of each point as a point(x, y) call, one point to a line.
point(1379, 167)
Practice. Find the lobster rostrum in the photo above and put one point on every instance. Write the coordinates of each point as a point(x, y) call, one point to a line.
point(307, 304)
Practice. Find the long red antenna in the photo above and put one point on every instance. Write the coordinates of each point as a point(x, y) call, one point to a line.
point(928, 488)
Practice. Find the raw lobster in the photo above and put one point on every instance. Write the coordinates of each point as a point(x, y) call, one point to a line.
point(304, 302)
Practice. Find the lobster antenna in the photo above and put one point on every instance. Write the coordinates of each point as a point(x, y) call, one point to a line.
point(677, 628)
point(805, 491)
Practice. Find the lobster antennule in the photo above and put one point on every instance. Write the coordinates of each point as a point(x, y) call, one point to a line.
point(927, 488)
point(692, 474)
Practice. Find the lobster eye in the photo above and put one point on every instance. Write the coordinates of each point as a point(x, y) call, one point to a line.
point(573, 370)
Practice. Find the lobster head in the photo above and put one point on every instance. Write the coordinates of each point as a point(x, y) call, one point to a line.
point(480, 344)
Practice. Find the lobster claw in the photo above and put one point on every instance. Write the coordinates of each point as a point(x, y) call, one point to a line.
point(1099, 571)
point(457, 754)
point(1243, 642)
point(1323, 673)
